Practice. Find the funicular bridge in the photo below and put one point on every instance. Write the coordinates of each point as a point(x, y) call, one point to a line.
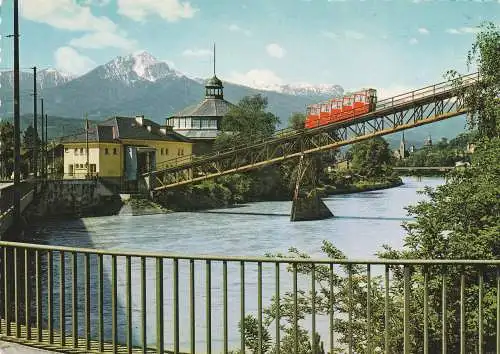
point(405, 111)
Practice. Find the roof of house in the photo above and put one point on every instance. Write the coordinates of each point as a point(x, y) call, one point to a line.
point(209, 107)
point(126, 128)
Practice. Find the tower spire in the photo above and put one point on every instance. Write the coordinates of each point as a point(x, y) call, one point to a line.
point(214, 58)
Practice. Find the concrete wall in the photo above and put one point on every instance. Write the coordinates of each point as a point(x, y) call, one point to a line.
point(74, 199)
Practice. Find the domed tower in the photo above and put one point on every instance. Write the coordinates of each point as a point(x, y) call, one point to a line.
point(213, 87)
point(202, 122)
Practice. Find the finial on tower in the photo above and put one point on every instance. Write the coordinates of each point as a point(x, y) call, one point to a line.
point(214, 58)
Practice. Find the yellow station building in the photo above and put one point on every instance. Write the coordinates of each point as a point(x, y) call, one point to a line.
point(122, 148)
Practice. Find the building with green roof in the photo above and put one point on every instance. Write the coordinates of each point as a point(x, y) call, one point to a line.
point(202, 122)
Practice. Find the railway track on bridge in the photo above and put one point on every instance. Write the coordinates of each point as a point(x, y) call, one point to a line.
point(409, 110)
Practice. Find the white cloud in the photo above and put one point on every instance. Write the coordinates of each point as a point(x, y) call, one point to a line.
point(65, 14)
point(354, 35)
point(423, 30)
point(235, 28)
point(197, 53)
point(413, 41)
point(73, 15)
point(469, 29)
point(170, 10)
point(329, 34)
point(390, 91)
point(347, 34)
point(258, 78)
point(70, 61)
point(275, 50)
point(463, 30)
point(93, 2)
point(102, 40)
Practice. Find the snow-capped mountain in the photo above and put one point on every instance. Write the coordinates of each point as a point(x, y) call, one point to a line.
point(46, 78)
point(52, 78)
point(298, 89)
point(139, 83)
point(304, 89)
point(139, 66)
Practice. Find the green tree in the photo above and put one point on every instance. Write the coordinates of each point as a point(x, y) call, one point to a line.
point(372, 158)
point(246, 122)
point(6, 149)
point(296, 120)
point(30, 137)
point(482, 97)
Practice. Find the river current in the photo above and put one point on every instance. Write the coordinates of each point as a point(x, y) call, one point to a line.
point(363, 223)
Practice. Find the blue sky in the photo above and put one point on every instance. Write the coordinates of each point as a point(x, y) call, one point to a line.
point(391, 45)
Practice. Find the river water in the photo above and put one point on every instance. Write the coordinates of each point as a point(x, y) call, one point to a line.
point(363, 223)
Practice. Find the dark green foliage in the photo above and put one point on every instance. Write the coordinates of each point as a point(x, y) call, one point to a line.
point(246, 122)
point(30, 137)
point(205, 195)
point(372, 158)
point(6, 149)
point(297, 120)
point(483, 97)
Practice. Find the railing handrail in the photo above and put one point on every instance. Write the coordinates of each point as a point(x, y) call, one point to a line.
point(261, 259)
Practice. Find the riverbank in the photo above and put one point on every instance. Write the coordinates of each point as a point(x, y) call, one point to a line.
point(362, 186)
point(212, 195)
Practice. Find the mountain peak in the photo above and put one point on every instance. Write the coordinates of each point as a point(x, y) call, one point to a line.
point(137, 66)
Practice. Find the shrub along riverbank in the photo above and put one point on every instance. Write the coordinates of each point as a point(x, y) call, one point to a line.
point(267, 184)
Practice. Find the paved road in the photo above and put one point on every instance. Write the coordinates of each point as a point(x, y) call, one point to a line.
point(14, 348)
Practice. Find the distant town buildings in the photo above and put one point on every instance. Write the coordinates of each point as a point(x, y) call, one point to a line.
point(401, 152)
point(428, 142)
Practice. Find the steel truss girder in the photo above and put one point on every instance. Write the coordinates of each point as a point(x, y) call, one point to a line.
point(276, 150)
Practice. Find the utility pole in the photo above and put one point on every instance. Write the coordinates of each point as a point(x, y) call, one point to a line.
point(87, 142)
point(35, 127)
point(45, 151)
point(43, 142)
point(17, 114)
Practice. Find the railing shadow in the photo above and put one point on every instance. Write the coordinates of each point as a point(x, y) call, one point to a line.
point(83, 285)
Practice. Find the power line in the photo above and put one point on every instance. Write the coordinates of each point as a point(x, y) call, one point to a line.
point(9, 69)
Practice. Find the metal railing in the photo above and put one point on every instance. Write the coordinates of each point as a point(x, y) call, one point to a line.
point(108, 301)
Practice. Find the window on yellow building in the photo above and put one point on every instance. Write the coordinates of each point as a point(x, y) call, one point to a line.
point(81, 151)
point(106, 151)
point(76, 151)
point(166, 151)
point(162, 151)
point(115, 151)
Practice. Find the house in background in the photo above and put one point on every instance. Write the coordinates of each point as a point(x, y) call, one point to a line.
point(120, 149)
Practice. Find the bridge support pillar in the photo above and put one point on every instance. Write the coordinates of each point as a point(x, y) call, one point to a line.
point(308, 206)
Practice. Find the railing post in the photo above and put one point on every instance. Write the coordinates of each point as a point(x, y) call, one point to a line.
point(159, 305)
point(406, 328)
